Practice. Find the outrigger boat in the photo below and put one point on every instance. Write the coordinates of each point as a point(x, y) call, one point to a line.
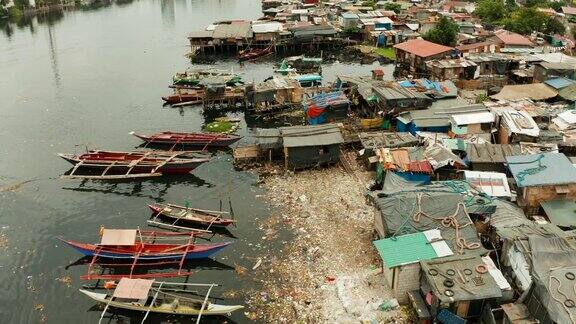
point(205, 218)
point(250, 55)
point(143, 245)
point(150, 296)
point(195, 77)
point(144, 249)
point(121, 165)
point(189, 139)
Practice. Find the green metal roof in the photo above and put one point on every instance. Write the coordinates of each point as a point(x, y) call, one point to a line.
point(561, 212)
point(405, 249)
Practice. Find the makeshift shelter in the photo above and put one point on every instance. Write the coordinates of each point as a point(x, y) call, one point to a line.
point(534, 91)
point(424, 208)
point(434, 89)
point(371, 141)
point(309, 146)
point(414, 53)
point(517, 126)
point(408, 162)
point(490, 157)
point(553, 261)
point(327, 107)
point(493, 184)
point(394, 98)
point(546, 70)
point(274, 93)
point(401, 256)
point(565, 120)
point(452, 69)
point(437, 120)
point(561, 212)
point(461, 285)
point(542, 177)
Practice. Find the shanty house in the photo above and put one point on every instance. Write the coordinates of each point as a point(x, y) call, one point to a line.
point(395, 98)
point(235, 32)
point(516, 126)
point(546, 70)
point(490, 157)
point(439, 120)
point(506, 39)
point(472, 123)
point(413, 54)
point(401, 256)
point(542, 177)
point(494, 184)
point(266, 31)
point(451, 69)
point(406, 162)
point(552, 295)
point(327, 107)
point(460, 286)
point(348, 20)
point(311, 146)
point(561, 213)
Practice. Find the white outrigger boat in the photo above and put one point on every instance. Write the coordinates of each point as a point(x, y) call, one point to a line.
point(149, 296)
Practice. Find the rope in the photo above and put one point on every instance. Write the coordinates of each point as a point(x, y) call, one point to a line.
point(531, 171)
point(561, 294)
point(450, 221)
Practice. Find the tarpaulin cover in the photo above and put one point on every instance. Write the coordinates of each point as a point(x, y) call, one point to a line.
point(399, 213)
point(394, 182)
point(553, 264)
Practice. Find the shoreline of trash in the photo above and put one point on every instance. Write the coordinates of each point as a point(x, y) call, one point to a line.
point(329, 272)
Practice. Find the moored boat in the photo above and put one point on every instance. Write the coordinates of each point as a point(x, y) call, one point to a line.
point(143, 245)
point(151, 296)
point(189, 139)
point(201, 217)
point(137, 162)
point(254, 54)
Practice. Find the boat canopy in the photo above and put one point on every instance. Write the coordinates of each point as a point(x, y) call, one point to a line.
point(133, 288)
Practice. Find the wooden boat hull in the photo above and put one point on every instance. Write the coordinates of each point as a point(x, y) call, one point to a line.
point(190, 139)
point(211, 309)
point(121, 164)
point(181, 98)
point(255, 54)
point(160, 209)
point(197, 251)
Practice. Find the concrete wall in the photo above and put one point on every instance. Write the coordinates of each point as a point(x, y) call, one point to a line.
point(403, 279)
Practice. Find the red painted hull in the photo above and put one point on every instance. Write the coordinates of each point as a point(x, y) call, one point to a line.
point(121, 162)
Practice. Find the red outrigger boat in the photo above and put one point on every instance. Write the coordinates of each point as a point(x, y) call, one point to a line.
point(121, 165)
point(255, 54)
point(143, 249)
point(189, 139)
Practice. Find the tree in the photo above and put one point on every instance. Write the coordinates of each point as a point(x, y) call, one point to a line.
point(555, 26)
point(396, 7)
point(490, 11)
point(511, 5)
point(445, 32)
point(525, 20)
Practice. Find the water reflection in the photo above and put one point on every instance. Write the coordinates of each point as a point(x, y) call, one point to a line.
point(167, 11)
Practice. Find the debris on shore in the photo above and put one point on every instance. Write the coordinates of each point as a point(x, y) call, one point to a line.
point(319, 277)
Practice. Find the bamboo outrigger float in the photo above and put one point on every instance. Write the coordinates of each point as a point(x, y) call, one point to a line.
point(141, 249)
point(150, 296)
point(126, 165)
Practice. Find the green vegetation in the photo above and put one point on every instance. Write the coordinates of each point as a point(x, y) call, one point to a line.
point(221, 125)
point(481, 98)
point(387, 52)
point(522, 20)
point(396, 7)
point(445, 32)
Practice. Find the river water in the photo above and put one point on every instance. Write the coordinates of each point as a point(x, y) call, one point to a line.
point(86, 79)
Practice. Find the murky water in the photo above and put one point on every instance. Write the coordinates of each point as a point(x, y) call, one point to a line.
point(86, 79)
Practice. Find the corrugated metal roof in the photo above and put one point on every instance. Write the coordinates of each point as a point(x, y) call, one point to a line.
point(411, 248)
point(510, 38)
point(397, 92)
point(234, 29)
point(299, 136)
point(557, 169)
point(267, 27)
point(494, 184)
point(568, 93)
point(561, 212)
point(559, 83)
point(201, 34)
point(491, 153)
point(558, 65)
point(473, 118)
